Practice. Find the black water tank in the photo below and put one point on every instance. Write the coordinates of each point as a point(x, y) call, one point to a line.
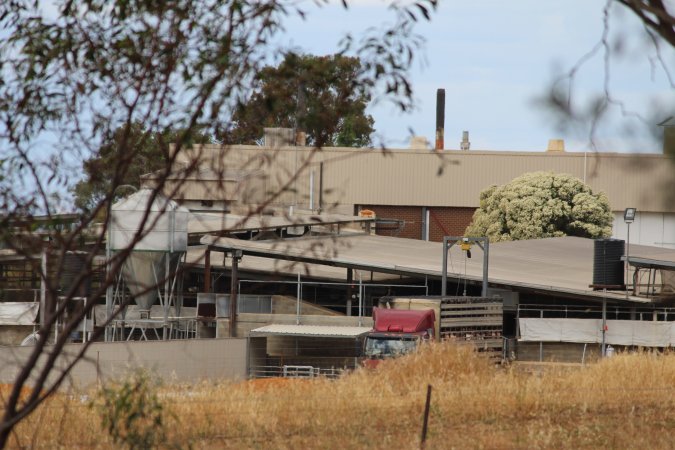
point(608, 269)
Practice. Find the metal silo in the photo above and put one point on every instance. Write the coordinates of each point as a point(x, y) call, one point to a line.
point(156, 230)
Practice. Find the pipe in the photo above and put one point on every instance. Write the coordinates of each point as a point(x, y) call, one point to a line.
point(440, 119)
point(311, 190)
point(234, 295)
point(297, 305)
point(360, 299)
point(320, 187)
point(444, 276)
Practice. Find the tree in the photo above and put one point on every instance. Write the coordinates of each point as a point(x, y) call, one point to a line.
point(79, 76)
point(539, 205)
point(320, 95)
point(654, 41)
point(656, 16)
point(151, 153)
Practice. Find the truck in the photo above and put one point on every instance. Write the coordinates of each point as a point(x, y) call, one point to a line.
point(396, 332)
point(402, 324)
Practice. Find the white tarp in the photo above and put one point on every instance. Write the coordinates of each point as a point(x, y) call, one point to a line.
point(619, 332)
point(18, 313)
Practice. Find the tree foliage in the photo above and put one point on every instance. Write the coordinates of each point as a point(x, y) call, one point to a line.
point(151, 153)
point(320, 95)
point(539, 205)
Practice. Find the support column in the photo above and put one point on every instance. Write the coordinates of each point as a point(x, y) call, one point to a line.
point(604, 322)
point(234, 293)
point(350, 280)
point(444, 275)
point(207, 270)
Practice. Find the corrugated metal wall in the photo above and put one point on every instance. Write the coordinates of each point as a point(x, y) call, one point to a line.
point(452, 178)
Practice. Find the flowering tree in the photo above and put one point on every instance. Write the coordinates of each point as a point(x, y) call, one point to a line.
point(539, 205)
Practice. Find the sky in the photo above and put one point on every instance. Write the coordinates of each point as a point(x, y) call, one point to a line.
point(496, 60)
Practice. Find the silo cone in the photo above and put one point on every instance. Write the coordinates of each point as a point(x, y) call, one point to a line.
point(144, 273)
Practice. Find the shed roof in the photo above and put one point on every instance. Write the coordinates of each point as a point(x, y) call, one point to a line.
point(201, 223)
point(554, 265)
point(310, 331)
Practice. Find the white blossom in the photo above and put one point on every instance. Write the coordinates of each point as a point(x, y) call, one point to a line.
point(538, 205)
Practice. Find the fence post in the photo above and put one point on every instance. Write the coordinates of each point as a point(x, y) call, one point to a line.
point(426, 418)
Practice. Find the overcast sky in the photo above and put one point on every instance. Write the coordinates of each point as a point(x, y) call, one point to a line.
point(495, 58)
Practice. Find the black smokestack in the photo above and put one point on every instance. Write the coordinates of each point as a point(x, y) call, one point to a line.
point(440, 118)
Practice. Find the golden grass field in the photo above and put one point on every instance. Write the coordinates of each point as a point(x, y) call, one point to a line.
point(623, 402)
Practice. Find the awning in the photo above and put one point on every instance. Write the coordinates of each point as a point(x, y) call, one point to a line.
point(310, 331)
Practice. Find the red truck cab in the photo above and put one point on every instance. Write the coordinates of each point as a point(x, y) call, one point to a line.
point(397, 332)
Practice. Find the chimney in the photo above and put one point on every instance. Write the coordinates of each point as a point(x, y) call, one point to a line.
point(668, 136)
point(556, 146)
point(300, 138)
point(465, 144)
point(440, 119)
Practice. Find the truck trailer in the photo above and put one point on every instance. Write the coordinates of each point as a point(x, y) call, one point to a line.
point(401, 324)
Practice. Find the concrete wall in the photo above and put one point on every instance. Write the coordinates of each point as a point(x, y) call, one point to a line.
point(288, 305)
point(557, 352)
point(14, 334)
point(182, 361)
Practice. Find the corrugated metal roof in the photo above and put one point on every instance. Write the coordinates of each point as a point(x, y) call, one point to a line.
point(563, 265)
point(195, 257)
point(200, 223)
point(310, 331)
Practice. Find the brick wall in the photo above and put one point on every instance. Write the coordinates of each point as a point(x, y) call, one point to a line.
point(442, 221)
point(411, 216)
point(448, 222)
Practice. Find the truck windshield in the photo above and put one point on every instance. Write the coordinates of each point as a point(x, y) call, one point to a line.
point(383, 347)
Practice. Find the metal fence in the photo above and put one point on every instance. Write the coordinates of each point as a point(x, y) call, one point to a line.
point(294, 371)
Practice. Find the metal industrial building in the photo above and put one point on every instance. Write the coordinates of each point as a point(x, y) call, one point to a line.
point(419, 194)
point(306, 245)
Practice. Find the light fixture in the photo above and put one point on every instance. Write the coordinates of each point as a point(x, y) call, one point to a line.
point(629, 215)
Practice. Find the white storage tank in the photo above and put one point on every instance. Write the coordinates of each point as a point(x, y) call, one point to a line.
point(164, 240)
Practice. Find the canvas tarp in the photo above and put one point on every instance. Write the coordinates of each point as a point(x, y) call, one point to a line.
point(619, 332)
point(18, 313)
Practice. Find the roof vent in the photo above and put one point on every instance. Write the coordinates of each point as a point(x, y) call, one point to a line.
point(465, 144)
point(419, 143)
point(556, 145)
point(279, 137)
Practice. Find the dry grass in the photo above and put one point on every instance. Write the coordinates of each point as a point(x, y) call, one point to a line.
point(624, 402)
